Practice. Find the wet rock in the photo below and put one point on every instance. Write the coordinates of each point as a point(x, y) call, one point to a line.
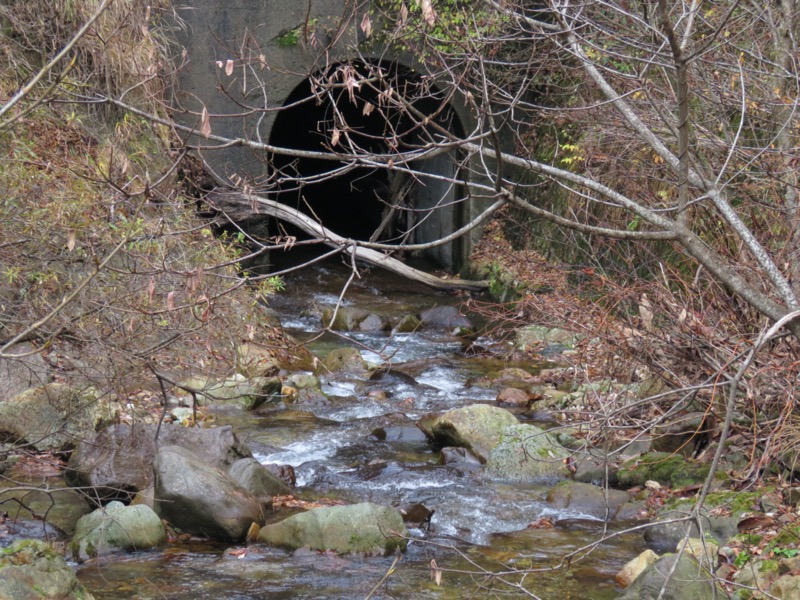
point(284, 473)
point(258, 480)
point(589, 499)
point(237, 391)
point(667, 469)
point(27, 371)
point(478, 427)
point(116, 527)
point(445, 317)
point(513, 397)
point(356, 529)
point(302, 381)
point(407, 324)
point(635, 567)
point(32, 570)
point(392, 376)
point(416, 515)
point(118, 462)
point(55, 417)
point(343, 360)
point(527, 453)
point(200, 498)
point(461, 459)
point(685, 580)
point(59, 507)
point(351, 318)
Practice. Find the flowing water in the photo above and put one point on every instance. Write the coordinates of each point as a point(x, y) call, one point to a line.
point(357, 446)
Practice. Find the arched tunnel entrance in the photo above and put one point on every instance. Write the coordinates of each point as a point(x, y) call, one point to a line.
point(353, 108)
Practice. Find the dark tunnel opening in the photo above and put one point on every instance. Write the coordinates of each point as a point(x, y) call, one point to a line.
point(354, 204)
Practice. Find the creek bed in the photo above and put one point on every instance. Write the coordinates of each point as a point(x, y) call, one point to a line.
point(356, 446)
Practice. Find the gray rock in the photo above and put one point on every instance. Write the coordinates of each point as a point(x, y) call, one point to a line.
point(407, 324)
point(116, 527)
point(688, 581)
point(589, 499)
point(343, 360)
point(237, 391)
point(20, 374)
point(359, 528)
point(255, 360)
point(537, 337)
point(478, 427)
point(682, 434)
point(60, 507)
point(350, 318)
point(445, 317)
point(32, 570)
point(200, 498)
point(55, 417)
point(527, 453)
point(667, 531)
point(118, 462)
point(258, 480)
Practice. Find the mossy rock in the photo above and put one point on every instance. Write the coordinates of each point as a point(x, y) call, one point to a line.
point(667, 469)
point(364, 528)
point(56, 416)
point(527, 453)
point(31, 569)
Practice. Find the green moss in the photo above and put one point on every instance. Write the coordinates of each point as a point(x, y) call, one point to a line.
point(768, 566)
point(665, 468)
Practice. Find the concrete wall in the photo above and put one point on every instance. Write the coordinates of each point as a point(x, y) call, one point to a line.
point(258, 36)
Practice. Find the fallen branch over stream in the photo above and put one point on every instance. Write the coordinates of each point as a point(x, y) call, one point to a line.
point(239, 206)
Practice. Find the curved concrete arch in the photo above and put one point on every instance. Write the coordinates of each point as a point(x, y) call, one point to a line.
point(251, 67)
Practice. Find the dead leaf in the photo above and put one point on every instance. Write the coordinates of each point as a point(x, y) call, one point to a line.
point(335, 137)
point(151, 289)
point(428, 13)
point(366, 25)
point(229, 67)
point(368, 108)
point(754, 522)
point(205, 123)
point(436, 572)
point(646, 313)
point(403, 14)
point(71, 241)
point(171, 301)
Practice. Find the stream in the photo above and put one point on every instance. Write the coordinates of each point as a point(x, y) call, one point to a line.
point(359, 443)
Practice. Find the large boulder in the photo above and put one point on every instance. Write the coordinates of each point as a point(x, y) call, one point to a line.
point(666, 580)
point(343, 360)
point(55, 417)
point(237, 391)
point(114, 528)
point(118, 462)
point(356, 529)
point(592, 500)
point(527, 453)
point(445, 317)
point(258, 480)
point(32, 570)
point(478, 427)
point(61, 507)
point(199, 498)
